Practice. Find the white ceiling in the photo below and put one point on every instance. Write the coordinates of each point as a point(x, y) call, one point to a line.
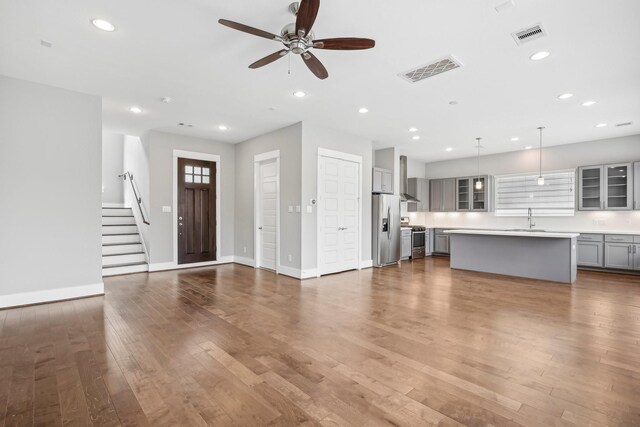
point(177, 49)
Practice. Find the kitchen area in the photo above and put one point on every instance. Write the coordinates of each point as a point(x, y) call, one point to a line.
point(541, 225)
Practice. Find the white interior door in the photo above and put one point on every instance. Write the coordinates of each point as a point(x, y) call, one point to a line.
point(339, 215)
point(268, 214)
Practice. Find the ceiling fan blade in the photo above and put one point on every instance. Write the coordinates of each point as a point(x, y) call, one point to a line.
point(269, 59)
point(315, 65)
point(344, 43)
point(306, 16)
point(248, 29)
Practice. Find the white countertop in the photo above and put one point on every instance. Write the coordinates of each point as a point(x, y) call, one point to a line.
point(515, 233)
point(626, 232)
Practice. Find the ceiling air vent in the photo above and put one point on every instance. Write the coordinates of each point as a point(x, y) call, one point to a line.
point(619, 125)
point(424, 72)
point(529, 34)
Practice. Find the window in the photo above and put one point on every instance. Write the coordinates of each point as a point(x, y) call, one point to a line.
point(196, 174)
point(515, 194)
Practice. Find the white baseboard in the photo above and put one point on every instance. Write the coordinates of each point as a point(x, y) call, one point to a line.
point(244, 261)
point(310, 274)
point(164, 266)
point(290, 271)
point(113, 205)
point(366, 264)
point(51, 295)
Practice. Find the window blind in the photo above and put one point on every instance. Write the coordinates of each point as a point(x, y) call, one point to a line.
point(515, 194)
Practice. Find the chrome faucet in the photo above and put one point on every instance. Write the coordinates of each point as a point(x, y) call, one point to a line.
point(530, 219)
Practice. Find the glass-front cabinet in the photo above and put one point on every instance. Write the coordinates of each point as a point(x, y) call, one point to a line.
point(470, 197)
point(591, 189)
point(608, 187)
point(619, 186)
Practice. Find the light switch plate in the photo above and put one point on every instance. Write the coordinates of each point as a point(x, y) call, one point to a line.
point(290, 210)
point(166, 209)
point(309, 209)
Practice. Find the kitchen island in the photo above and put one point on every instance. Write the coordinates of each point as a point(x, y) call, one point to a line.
point(523, 253)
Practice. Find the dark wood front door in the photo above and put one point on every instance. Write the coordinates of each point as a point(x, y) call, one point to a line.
point(196, 211)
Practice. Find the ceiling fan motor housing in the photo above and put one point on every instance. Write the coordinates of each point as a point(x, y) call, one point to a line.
point(295, 43)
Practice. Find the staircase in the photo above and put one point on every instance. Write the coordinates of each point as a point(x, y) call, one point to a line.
point(122, 251)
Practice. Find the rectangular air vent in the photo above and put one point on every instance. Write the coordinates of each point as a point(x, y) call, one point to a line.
point(619, 125)
point(529, 34)
point(438, 67)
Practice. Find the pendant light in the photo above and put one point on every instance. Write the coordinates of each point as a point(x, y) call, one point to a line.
point(540, 177)
point(478, 182)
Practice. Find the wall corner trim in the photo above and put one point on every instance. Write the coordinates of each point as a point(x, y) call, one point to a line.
point(51, 295)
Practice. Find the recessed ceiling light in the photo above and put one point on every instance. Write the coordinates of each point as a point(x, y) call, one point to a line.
point(565, 96)
point(449, 150)
point(515, 138)
point(135, 110)
point(415, 138)
point(363, 110)
point(588, 103)
point(103, 25)
point(223, 127)
point(528, 147)
point(299, 94)
point(539, 55)
point(413, 130)
point(601, 125)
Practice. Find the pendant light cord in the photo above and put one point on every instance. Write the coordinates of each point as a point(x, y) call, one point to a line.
point(478, 139)
point(540, 129)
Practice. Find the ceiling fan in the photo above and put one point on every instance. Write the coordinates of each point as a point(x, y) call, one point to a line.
point(299, 39)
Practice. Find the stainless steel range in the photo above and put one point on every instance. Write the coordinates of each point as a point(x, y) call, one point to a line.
point(418, 241)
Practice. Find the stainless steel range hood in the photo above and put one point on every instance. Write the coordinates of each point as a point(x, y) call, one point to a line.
point(404, 182)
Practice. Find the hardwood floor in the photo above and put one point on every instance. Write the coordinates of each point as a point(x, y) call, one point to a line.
point(413, 345)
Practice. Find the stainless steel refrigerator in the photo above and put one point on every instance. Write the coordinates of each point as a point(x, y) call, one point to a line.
point(386, 229)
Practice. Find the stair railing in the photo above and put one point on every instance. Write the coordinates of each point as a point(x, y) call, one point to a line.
point(126, 175)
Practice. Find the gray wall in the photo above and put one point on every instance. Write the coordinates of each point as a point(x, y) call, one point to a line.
point(136, 161)
point(289, 142)
point(161, 146)
point(112, 166)
point(314, 137)
point(50, 188)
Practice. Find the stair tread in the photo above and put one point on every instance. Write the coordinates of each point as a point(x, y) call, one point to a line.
point(117, 216)
point(118, 225)
point(120, 244)
point(129, 264)
point(127, 253)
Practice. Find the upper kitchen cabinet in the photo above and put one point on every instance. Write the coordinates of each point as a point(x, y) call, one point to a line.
point(382, 181)
point(418, 188)
point(470, 198)
point(608, 187)
point(442, 195)
point(618, 191)
point(591, 196)
point(636, 185)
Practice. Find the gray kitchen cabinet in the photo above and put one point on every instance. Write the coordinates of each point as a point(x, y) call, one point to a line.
point(442, 195)
point(608, 187)
point(471, 199)
point(382, 181)
point(418, 188)
point(405, 245)
point(636, 185)
point(618, 255)
point(636, 257)
point(440, 242)
point(591, 191)
point(618, 188)
point(590, 254)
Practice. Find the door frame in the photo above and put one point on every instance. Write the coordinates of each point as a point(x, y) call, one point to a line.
point(257, 159)
point(195, 156)
point(324, 152)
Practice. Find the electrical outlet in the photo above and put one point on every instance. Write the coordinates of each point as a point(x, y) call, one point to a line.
point(166, 209)
point(290, 258)
point(245, 249)
point(290, 210)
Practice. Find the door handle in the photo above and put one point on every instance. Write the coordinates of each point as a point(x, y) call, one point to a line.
point(180, 224)
point(180, 218)
point(259, 228)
